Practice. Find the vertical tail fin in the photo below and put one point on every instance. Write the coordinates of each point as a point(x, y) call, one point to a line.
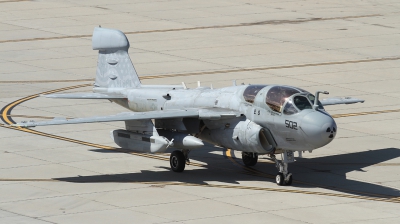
point(114, 66)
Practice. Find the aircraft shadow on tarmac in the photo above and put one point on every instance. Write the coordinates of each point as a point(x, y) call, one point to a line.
point(325, 172)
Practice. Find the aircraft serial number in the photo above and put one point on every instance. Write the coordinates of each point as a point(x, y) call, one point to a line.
point(291, 124)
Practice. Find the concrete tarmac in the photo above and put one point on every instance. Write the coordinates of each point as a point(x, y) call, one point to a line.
point(76, 174)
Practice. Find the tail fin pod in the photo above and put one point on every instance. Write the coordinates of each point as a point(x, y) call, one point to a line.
point(114, 66)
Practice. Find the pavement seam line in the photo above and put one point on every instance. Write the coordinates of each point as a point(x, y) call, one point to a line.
point(269, 22)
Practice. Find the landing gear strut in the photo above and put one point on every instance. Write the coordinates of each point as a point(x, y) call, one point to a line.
point(178, 160)
point(249, 158)
point(283, 177)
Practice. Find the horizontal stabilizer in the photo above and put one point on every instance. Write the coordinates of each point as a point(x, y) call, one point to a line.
point(86, 96)
point(340, 100)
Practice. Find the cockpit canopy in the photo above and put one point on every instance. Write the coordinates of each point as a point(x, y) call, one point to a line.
point(289, 100)
point(277, 96)
point(251, 91)
point(282, 99)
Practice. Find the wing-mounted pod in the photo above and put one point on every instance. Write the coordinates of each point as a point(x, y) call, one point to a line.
point(142, 136)
point(140, 142)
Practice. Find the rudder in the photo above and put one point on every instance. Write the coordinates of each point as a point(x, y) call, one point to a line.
point(114, 66)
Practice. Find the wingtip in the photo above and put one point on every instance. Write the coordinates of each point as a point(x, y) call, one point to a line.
point(18, 125)
point(24, 124)
point(45, 95)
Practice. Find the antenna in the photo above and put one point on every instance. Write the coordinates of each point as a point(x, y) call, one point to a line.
point(234, 82)
point(198, 84)
point(184, 85)
point(212, 86)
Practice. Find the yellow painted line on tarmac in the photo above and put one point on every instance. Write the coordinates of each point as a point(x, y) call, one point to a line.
point(231, 157)
point(364, 113)
point(95, 145)
point(89, 144)
point(281, 190)
point(229, 153)
point(29, 116)
point(6, 111)
point(6, 115)
point(375, 197)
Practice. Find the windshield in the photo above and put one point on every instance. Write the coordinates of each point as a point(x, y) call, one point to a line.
point(302, 102)
point(277, 96)
point(289, 109)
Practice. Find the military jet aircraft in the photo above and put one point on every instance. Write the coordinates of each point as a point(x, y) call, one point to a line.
point(254, 119)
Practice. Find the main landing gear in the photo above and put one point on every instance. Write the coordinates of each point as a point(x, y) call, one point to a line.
point(178, 160)
point(249, 158)
point(283, 177)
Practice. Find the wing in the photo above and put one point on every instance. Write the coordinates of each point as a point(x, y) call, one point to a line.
point(340, 100)
point(86, 96)
point(209, 114)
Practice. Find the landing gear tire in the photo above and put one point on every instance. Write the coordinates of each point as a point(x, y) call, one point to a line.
point(289, 179)
point(280, 179)
point(177, 161)
point(283, 177)
point(249, 159)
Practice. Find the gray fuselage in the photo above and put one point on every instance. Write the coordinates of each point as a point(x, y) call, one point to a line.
point(307, 129)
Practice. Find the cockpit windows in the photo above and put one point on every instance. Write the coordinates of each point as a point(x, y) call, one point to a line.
point(251, 91)
point(277, 96)
point(302, 102)
point(289, 109)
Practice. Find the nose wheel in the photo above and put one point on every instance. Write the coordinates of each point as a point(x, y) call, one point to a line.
point(283, 177)
point(281, 180)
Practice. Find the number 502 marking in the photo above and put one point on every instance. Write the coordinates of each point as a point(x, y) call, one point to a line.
point(291, 124)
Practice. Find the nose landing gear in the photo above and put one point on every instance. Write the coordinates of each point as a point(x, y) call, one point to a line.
point(283, 177)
